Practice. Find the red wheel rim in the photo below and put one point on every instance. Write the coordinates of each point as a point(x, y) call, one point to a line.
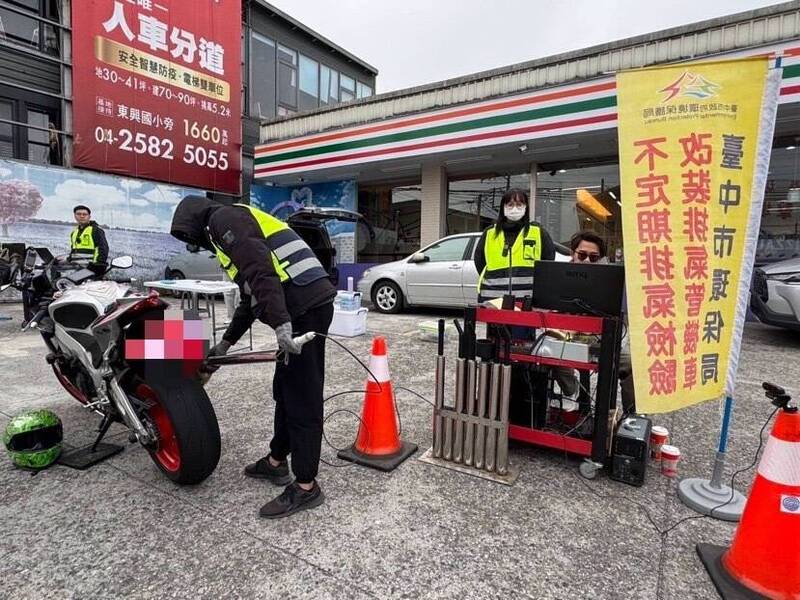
point(167, 452)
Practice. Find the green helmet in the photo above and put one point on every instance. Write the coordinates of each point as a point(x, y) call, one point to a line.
point(33, 439)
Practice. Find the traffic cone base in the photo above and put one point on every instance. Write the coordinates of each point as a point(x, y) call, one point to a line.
point(382, 463)
point(727, 586)
point(378, 442)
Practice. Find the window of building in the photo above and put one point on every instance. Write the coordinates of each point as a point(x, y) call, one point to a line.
point(28, 31)
point(309, 83)
point(347, 89)
point(6, 129)
point(473, 204)
point(262, 76)
point(394, 212)
point(40, 142)
point(364, 91)
point(328, 85)
point(779, 237)
point(586, 198)
point(287, 78)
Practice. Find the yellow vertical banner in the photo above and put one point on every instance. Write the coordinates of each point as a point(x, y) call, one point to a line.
point(694, 146)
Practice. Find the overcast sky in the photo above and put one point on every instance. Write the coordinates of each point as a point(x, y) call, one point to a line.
point(412, 42)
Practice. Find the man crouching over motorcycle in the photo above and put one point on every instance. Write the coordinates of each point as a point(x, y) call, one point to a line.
point(284, 285)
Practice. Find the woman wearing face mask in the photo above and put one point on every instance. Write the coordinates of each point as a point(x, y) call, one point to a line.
point(510, 248)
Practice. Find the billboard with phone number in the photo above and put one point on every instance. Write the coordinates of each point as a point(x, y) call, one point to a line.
point(157, 90)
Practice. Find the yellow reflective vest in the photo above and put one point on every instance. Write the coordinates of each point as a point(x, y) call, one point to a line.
point(526, 250)
point(292, 259)
point(82, 243)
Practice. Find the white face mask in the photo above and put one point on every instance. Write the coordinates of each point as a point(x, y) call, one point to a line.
point(514, 213)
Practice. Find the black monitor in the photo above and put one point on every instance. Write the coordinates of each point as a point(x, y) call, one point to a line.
point(579, 288)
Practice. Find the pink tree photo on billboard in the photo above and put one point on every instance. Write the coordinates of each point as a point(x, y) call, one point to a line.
point(157, 90)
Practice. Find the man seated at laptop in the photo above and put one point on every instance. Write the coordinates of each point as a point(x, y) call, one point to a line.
point(590, 247)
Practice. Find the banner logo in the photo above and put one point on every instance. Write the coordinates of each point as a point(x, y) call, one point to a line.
point(690, 85)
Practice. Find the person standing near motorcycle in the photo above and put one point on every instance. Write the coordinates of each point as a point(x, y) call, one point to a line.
point(284, 285)
point(87, 242)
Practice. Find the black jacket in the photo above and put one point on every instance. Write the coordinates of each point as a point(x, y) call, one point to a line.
point(99, 238)
point(237, 233)
point(511, 231)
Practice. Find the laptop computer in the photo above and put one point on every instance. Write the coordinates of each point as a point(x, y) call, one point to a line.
point(579, 288)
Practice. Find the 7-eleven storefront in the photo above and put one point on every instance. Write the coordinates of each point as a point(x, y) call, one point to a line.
point(422, 173)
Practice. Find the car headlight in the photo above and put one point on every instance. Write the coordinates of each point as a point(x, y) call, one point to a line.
point(785, 277)
point(366, 273)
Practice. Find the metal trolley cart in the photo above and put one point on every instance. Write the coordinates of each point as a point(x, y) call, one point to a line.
point(595, 447)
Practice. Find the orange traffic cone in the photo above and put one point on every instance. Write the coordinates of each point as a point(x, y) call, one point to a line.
point(764, 558)
point(378, 442)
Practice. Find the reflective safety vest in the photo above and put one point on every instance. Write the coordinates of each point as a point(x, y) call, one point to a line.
point(292, 259)
point(82, 243)
point(527, 249)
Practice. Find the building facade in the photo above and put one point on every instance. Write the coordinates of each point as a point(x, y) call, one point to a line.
point(435, 160)
point(286, 68)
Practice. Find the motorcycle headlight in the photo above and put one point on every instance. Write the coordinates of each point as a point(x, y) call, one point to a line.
point(63, 284)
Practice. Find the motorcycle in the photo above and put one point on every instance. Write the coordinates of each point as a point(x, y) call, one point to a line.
point(85, 322)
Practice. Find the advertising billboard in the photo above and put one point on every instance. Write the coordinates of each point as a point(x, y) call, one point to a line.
point(157, 90)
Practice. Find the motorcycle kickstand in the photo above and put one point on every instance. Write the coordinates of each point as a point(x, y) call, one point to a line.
point(105, 425)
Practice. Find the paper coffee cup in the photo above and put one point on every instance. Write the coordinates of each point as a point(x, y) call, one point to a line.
point(658, 437)
point(670, 455)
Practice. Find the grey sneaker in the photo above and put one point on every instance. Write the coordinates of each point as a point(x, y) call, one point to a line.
point(262, 469)
point(292, 499)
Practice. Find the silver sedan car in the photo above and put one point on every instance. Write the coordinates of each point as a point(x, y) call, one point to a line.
point(442, 274)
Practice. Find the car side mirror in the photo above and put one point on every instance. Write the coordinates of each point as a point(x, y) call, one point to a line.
point(193, 248)
point(122, 262)
point(419, 257)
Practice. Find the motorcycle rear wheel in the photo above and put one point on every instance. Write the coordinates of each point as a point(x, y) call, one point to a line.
point(188, 447)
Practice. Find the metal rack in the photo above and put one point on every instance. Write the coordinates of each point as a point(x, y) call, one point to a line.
point(610, 331)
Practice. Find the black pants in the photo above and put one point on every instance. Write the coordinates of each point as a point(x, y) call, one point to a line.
point(297, 389)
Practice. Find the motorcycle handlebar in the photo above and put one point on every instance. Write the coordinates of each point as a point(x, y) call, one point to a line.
point(34, 322)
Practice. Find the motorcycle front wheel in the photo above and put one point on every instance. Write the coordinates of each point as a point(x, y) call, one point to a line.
point(188, 446)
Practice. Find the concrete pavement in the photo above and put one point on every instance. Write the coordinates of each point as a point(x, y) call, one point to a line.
point(122, 530)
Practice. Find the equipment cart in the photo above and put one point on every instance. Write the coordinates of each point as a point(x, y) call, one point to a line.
point(596, 447)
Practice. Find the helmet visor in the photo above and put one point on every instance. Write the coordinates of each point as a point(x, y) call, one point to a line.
point(36, 439)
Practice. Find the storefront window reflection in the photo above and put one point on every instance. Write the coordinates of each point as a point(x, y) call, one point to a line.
point(394, 213)
point(472, 204)
point(586, 198)
point(779, 237)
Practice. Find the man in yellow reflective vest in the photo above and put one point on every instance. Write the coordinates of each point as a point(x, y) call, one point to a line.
point(284, 285)
point(87, 242)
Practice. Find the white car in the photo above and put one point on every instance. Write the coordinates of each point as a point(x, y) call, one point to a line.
point(775, 294)
point(442, 274)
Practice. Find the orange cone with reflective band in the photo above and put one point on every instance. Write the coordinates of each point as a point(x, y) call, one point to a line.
point(765, 554)
point(378, 441)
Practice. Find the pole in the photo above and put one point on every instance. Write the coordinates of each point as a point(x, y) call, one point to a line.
point(713, 497)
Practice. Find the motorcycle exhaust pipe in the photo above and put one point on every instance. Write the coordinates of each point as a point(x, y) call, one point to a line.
point(473, 430)
point(479, 458)
point(128, 413)
point(502, 443)
point(438, 398)
point(461, 401)
point(491, 435)
point(448, 424)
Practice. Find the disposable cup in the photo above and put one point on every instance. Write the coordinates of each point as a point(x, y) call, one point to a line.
point(658, 437)
point(670, 455)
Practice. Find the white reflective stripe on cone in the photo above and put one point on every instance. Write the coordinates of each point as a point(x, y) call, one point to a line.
point(379, 365)
point(780, 462)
